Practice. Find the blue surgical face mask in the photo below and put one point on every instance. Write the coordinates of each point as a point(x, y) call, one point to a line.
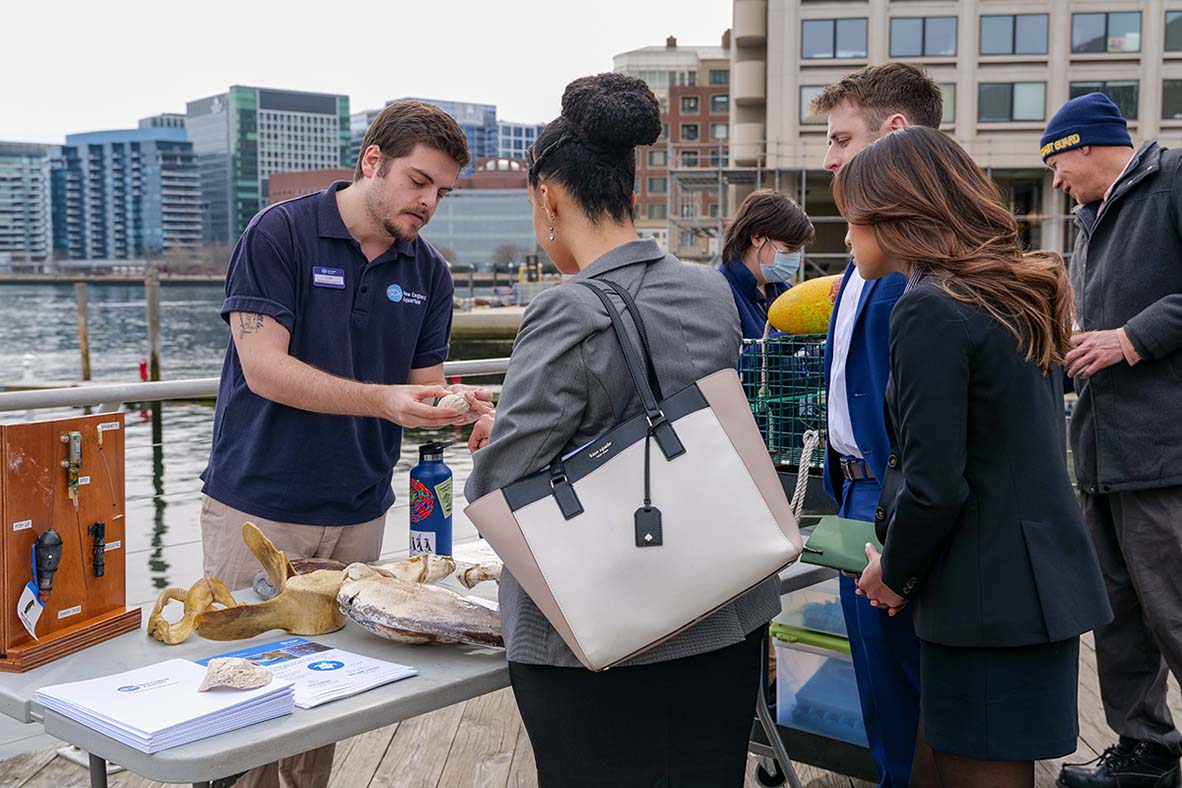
point(784, 266)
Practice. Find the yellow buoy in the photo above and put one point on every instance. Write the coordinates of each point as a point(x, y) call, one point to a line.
point(806, 307)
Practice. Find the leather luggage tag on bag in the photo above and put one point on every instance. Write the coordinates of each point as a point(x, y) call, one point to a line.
point(648, 527)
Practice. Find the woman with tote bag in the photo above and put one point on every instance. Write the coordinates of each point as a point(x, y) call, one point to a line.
point(680, 712)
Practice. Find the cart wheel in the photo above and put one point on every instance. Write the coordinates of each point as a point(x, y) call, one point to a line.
point(773, 779)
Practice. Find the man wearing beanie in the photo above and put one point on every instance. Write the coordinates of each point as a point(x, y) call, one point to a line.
point(1126, 430)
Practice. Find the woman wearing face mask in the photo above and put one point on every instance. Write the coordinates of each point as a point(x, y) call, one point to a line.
point(762, 253)
point(567, 383)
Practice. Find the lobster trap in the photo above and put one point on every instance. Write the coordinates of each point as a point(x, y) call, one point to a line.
point(784, 380)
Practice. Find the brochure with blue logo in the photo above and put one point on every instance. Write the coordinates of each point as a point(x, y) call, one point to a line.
point(320, 673)
point(157, 707)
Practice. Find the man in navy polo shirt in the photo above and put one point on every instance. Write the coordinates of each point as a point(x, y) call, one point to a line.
point(340, 317)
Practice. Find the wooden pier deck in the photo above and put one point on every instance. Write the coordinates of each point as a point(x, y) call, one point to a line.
point(482, 744)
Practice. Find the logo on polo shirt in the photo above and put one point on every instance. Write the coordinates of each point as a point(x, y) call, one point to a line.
point(396, 294)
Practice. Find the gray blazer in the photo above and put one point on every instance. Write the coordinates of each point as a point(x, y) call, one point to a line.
point(567, 383)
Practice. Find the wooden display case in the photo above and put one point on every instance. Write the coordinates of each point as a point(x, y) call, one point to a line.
point(40, 488)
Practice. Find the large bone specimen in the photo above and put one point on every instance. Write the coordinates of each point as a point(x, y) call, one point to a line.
point(201, 597)
point(303, 604)
point(302, 566)
point(410, 612)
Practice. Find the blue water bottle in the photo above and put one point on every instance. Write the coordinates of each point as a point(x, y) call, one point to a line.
point(430, 502)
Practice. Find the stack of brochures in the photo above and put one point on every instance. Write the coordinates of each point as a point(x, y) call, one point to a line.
point(320, 673)
point(159, 707)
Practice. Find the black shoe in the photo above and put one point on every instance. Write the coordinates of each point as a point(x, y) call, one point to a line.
point(1143, 765)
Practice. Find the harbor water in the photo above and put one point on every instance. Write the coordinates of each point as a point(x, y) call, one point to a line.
point(39, 336)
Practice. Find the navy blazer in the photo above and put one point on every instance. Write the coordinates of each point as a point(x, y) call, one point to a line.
point(867, 368)
point(978, 518)
point(751, 303)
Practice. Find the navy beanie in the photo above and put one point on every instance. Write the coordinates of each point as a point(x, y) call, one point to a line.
point(1088, 120)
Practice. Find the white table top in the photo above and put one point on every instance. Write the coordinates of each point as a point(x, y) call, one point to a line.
point(447, 675)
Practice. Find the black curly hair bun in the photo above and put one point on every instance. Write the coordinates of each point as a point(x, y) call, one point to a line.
point(612, 111)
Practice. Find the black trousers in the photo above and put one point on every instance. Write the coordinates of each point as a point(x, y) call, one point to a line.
point(678, 724)
point(1138, 538)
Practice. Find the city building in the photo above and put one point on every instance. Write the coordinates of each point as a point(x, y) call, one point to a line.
point(359, 123)
point(479, 122)
point(126, 194)
point(165, 120)
point(242, 136)
point(26, 218)
point(1005, 68)
point(692, 85)
point(477, 225)
point(514, 138)
point(288, 185)
point(488, 211)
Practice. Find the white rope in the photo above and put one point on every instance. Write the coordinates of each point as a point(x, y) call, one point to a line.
point(763, 390)
point(811, 439)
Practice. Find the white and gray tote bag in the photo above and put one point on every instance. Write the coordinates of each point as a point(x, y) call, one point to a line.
point(654, 525)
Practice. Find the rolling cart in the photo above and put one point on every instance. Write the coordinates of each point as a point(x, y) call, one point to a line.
point(784, 379)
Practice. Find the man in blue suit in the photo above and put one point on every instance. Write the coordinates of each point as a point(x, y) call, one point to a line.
point(861, 107)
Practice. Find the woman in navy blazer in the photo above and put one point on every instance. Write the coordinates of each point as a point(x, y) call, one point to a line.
point(761, 253)
point(982, 532)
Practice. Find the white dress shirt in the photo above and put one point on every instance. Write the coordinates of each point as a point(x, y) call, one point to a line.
point(840, 430)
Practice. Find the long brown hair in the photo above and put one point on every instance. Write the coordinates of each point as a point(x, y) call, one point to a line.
point(931, 206)
point(770, 214)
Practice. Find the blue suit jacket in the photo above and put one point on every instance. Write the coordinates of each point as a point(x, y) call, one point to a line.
point(867, 367)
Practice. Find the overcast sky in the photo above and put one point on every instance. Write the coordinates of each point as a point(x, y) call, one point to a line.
point(76, 66)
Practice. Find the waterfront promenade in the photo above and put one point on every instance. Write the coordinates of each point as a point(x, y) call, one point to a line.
point(482, 744)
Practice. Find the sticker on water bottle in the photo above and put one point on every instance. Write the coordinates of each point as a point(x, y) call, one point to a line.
point(422, 502)
point(422, 542)
point(443, 491)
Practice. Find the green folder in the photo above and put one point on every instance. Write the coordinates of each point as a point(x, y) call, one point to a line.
point(791, 634)
point(839, 543)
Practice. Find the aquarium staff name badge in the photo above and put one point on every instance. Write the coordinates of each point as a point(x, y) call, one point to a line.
point(328, 277)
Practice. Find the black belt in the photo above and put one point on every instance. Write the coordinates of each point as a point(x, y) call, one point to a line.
point(856, 470)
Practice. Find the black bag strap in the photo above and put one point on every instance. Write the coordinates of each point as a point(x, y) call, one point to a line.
point(636, 368)
point(659, 426)
point(634, 311)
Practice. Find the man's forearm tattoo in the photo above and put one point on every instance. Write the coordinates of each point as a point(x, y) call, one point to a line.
point(249, 323)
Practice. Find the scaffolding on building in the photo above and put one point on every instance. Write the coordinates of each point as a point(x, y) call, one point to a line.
point(706, 187)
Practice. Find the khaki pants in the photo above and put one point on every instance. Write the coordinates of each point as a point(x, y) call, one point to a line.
point(224, 556)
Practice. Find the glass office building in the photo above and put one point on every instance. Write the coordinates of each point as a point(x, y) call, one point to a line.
point(165, 120)
point(26, 219)
point(474, 223)
point(479, 122)
point(514, 138)
point(359, 123)
point(127, 194)
point(242, 136)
